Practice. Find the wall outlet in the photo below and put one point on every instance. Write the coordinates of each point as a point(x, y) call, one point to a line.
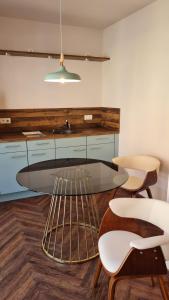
point(88, 117)
point(5, 120)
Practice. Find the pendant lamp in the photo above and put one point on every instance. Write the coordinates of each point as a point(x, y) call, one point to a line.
point(61, 75)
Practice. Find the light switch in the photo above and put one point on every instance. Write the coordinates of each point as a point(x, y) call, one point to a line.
point(88, 117)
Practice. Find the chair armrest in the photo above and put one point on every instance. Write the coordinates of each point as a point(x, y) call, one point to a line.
point(150, 242)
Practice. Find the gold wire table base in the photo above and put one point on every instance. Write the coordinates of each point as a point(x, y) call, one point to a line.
point(75, 257)
point(71, 230)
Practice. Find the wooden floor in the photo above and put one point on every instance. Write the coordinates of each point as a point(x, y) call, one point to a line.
point(27, 273)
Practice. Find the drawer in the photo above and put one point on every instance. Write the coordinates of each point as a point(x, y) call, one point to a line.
point(102, 151)
point(66, 142)
point(41, 144)
point(35, 156)
point(100, 139)
point(12, 147)
point(71, 152)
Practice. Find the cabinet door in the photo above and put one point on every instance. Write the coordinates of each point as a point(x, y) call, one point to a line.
point(71, 152)
point(35, 156)
point(10, 164)
point(101, 151)
point(41, 144)
point(100, 139)
point(70, 142)
point(12, 147)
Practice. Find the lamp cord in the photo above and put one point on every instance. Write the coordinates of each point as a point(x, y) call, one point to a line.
point(61, 35)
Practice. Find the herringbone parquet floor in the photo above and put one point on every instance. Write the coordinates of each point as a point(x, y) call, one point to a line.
point(26, 273)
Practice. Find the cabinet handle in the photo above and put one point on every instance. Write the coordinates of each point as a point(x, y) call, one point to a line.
point(12, 146)
point(38, 154)
point(95, 148)
point(79, 150)
point(18, 156)
point(102, 138)
point(43, 143)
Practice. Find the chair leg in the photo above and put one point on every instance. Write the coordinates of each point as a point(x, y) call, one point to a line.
point(149, 192)
point(112, 287)
point(97, 274)
point(115, 192)
point(163, 288)
point(133, 195)
point(152, 281)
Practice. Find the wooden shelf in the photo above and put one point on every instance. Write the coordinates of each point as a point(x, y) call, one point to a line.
point(53, 55)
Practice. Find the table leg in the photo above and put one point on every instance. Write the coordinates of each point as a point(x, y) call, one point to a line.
point(71, 230)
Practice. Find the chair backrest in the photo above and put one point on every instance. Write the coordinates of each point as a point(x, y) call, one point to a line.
point(138, 162)
point(150, 210)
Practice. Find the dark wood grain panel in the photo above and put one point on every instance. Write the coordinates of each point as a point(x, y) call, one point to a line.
point(27, 274)
point(41, 119)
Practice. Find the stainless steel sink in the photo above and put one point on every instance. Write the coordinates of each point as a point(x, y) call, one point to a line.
point(65, 131)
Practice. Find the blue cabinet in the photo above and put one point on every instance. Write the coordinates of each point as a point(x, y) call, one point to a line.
point(10, 163)
point(101, 151)
point(12, 147)
point(100, 139)
point(16, 155)
point(71, 152)
point(101, 147)
point(71, 147)
point(41, 144)
point(40, 150)
point(35, 156)
point(68, 142)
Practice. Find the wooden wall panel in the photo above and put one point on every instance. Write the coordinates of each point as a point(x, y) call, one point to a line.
point(41, 119)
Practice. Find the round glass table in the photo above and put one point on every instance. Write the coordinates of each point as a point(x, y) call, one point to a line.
point(71, 230)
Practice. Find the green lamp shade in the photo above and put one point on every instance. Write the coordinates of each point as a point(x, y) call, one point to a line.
point(62, 76)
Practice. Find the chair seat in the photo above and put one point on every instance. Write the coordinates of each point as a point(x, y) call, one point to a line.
point(113, 248)
point(133, 183)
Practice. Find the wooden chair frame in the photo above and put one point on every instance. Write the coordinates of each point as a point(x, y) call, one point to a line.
point(149, 180)
point(137, 263)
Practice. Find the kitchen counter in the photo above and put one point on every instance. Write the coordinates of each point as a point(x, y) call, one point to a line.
point(13, 137)
point(18, 151)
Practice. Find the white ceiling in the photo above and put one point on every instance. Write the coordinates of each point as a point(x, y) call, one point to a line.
point(88, 13)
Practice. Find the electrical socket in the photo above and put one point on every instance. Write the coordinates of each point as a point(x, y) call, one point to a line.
point(5, 120)
point(88, 117)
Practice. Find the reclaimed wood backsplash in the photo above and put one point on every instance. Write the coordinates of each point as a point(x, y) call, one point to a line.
point(53, 118)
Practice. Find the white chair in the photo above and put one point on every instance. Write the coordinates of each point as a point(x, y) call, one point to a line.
point(134, 241)
point(148, 167)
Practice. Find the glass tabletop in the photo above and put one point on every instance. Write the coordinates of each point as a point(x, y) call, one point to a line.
point(72, 176)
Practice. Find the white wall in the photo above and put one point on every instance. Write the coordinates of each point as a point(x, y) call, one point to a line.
point(21, 79)
point(137, 80)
